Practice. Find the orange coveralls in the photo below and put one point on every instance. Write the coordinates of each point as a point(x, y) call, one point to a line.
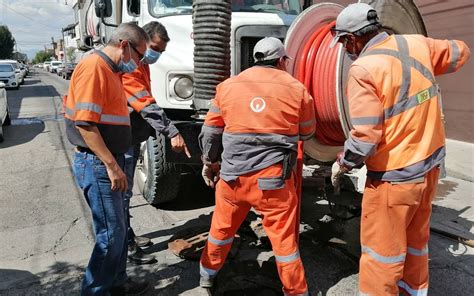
point(257, 118)
point(398, 131)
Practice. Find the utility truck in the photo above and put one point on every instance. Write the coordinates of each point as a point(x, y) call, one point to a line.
point(173, 77)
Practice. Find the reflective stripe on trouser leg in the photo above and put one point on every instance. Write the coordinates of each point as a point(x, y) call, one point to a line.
point(226, 220)
point(387, 212)
point(278, 208)
point(415, 279)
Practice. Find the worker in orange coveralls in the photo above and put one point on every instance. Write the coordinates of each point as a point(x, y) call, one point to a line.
point(399, 134)
point(256, 120)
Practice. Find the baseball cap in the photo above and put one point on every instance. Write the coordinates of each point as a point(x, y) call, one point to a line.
point(352, 19)
point(269, 48)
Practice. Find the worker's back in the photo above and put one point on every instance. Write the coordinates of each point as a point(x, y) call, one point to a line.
point(265, 111)
point(400, 70)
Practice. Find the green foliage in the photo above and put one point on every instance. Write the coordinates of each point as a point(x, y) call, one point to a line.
point(42, 56)
point(7, 43)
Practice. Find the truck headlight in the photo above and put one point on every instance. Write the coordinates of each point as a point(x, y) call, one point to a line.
point(181, 86)
point(12, 77)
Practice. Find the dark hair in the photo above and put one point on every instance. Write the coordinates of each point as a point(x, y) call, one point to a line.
point(156, 28)
point(373, 27)
point(273, 63)
point(130, 32)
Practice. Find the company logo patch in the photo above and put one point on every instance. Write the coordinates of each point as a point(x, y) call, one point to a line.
point(257, 104)
point(423, 96)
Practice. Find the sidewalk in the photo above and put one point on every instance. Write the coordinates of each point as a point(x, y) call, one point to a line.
point(460, 160)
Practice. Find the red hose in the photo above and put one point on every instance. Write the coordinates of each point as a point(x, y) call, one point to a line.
point(315, 67)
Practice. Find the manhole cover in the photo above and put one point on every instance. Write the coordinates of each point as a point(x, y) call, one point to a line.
point(189, 243)
point(248, 278)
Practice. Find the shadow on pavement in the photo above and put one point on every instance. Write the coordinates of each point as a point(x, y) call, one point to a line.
point(19, 134)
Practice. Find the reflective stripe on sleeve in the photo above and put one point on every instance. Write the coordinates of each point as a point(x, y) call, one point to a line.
point(304, 294)
point(215, 109)
point(366, 120)
point(107, 118)
point(383, 259)
point(288, 258)
point(69, 111)
point(88, 107)
point(138, 95)
point(219, 242)
point(412, 292)
point(206, 272)
point(454, 56)
point(417, 252)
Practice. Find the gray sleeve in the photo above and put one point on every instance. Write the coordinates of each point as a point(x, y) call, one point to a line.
point(156, 117)
point(356, 152)
point(210, 142)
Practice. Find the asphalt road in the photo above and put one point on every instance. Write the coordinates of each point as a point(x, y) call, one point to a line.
point(46, 235)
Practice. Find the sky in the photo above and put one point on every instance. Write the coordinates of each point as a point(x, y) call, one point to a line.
point(34, 22)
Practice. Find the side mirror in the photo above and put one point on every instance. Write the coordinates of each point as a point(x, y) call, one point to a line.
point(2, 85)
point(103, 8)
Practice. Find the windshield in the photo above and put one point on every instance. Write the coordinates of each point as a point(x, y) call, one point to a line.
point(6, 68)
point(166, 7)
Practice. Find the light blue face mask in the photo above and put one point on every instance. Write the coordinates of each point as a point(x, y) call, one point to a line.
point(150, 56)
point(128, 67)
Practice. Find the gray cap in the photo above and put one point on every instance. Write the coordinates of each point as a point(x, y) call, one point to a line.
point(352, 19)
point(269, 48)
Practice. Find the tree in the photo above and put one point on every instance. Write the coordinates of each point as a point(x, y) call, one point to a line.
point(42, 56)
point(7, 43)
point(71, 54)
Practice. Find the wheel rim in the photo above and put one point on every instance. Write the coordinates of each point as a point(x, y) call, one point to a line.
point(142, 166)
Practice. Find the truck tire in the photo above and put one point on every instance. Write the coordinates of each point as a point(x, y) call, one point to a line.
point(158, 179)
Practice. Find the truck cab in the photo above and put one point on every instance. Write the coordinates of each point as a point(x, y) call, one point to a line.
point(172, 77)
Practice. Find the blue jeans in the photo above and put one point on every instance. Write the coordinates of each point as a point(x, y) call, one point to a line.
point(107, 265)
point(131, 159)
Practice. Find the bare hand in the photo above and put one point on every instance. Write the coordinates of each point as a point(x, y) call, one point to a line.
point(117, 177)
point(178, 145)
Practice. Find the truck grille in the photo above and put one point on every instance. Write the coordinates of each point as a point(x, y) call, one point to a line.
point(246, 51)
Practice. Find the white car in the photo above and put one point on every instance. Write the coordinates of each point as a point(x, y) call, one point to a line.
point(54, 66)
point(8, 77)
point(4, 116)
point(46, 66)
point(16, 66)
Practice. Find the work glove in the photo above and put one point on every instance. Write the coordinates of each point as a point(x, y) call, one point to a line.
point(210, 173)
point(338, 170)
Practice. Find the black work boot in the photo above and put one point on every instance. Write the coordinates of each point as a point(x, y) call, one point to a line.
point(130, 287)
point(142, 241)
point(138, 256)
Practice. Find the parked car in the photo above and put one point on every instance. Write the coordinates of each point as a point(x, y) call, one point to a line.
point(4, 115)
point(60, 68)
point(25, 68)
point(46, 66)
point(18, 73)
point(8, 76)
point(67, 70)
point(54, 66)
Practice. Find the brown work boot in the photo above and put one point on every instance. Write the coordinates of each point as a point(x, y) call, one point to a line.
point(130, 287)
point(142, 241)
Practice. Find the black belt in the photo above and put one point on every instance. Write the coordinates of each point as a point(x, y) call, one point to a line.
point(89, 151)
point(84, 150)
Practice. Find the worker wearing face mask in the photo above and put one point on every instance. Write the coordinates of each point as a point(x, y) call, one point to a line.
point(98, 124)
point(399, 134)
point(146, 119)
